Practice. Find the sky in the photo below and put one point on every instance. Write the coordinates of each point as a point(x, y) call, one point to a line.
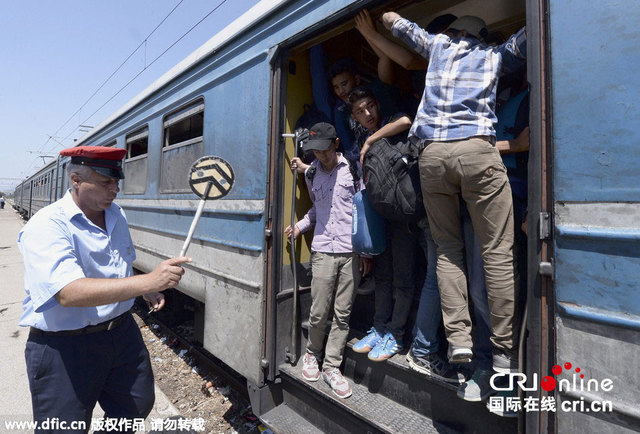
point(62, 65)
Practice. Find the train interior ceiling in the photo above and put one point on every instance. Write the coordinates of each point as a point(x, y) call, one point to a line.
point(503, 18)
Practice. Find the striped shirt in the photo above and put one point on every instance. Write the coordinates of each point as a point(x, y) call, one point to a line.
point(461, 81)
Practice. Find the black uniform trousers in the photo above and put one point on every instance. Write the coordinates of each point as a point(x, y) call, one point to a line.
point(68, 375)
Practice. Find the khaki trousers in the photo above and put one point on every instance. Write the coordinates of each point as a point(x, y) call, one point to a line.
point(335, 276)
point(473, 169)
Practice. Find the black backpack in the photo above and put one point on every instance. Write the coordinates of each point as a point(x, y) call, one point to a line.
point(392, 180)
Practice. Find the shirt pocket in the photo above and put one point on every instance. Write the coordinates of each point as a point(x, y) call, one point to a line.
point(345, 189)
point(319, 192)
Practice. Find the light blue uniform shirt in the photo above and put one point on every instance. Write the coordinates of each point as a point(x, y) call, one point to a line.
point(60, 244)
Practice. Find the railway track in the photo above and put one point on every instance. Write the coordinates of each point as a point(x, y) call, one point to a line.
point(179, 341)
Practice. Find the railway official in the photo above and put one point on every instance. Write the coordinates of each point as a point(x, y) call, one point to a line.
point(84, 346)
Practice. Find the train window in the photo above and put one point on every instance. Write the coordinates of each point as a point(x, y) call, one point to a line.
point(137, 143)
point(183, 144)
point(135, 164)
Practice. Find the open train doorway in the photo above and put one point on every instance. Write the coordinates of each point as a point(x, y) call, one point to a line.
point(322, 45)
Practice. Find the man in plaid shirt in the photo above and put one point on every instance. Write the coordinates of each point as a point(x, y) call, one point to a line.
point(455, 126)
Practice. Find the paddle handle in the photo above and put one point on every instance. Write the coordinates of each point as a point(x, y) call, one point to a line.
point(192, 229)
point(194, 223)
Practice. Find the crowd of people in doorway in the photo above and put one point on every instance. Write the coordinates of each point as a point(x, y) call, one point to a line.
point(467, 114)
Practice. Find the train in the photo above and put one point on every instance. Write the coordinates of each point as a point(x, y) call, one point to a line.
point(239, 96)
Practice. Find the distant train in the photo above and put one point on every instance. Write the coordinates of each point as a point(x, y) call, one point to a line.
point(237, 96)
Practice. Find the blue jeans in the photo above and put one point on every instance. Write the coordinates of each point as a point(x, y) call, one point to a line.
point(477, 291)
point(395, 282)
point(426, 339)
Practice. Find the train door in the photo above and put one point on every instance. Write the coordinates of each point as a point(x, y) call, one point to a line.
point(32, 187)
point(51, 186)
point(423, 401)
point(62, 179)
point(594, 215)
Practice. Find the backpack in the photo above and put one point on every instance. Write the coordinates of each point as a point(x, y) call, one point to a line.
point(311, 115)
point(368, 228)
point(392, 180)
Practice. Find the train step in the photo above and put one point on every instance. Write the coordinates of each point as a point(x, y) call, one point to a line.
point(428, 396)
point(363, 411)
point(284, 419)
point(386, 394)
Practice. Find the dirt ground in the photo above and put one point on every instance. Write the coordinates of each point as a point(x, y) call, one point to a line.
point(194, 392)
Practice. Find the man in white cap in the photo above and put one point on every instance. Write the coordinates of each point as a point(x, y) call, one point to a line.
point(455, 127)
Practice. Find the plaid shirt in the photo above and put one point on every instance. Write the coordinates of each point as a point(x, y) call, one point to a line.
point(461, 82)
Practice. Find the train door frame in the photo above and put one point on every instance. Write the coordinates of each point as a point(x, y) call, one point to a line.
point(274, 222)
point(264, 396)
point(540, 296)
point(540, 342)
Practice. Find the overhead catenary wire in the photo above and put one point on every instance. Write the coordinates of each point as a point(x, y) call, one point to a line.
point(143, 43)
point(132, 79)
point(151, 63)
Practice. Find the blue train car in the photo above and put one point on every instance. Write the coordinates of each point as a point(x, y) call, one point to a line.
point(38, 190)
point(239, 96)
point(592, 203)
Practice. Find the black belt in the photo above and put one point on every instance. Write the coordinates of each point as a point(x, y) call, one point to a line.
point(103, 326)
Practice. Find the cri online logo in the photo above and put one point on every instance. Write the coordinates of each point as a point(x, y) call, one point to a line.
point(549, 383)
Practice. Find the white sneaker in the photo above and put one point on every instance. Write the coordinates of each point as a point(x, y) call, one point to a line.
point(339, 385)
point(478, 388)
point(459, 354)
point(504, 363)
point(310, 370)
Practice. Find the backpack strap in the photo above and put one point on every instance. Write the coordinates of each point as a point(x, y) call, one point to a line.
point(355, 174)
point(311, 173)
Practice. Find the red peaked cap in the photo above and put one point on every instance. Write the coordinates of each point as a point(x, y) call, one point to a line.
point(104, 160)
